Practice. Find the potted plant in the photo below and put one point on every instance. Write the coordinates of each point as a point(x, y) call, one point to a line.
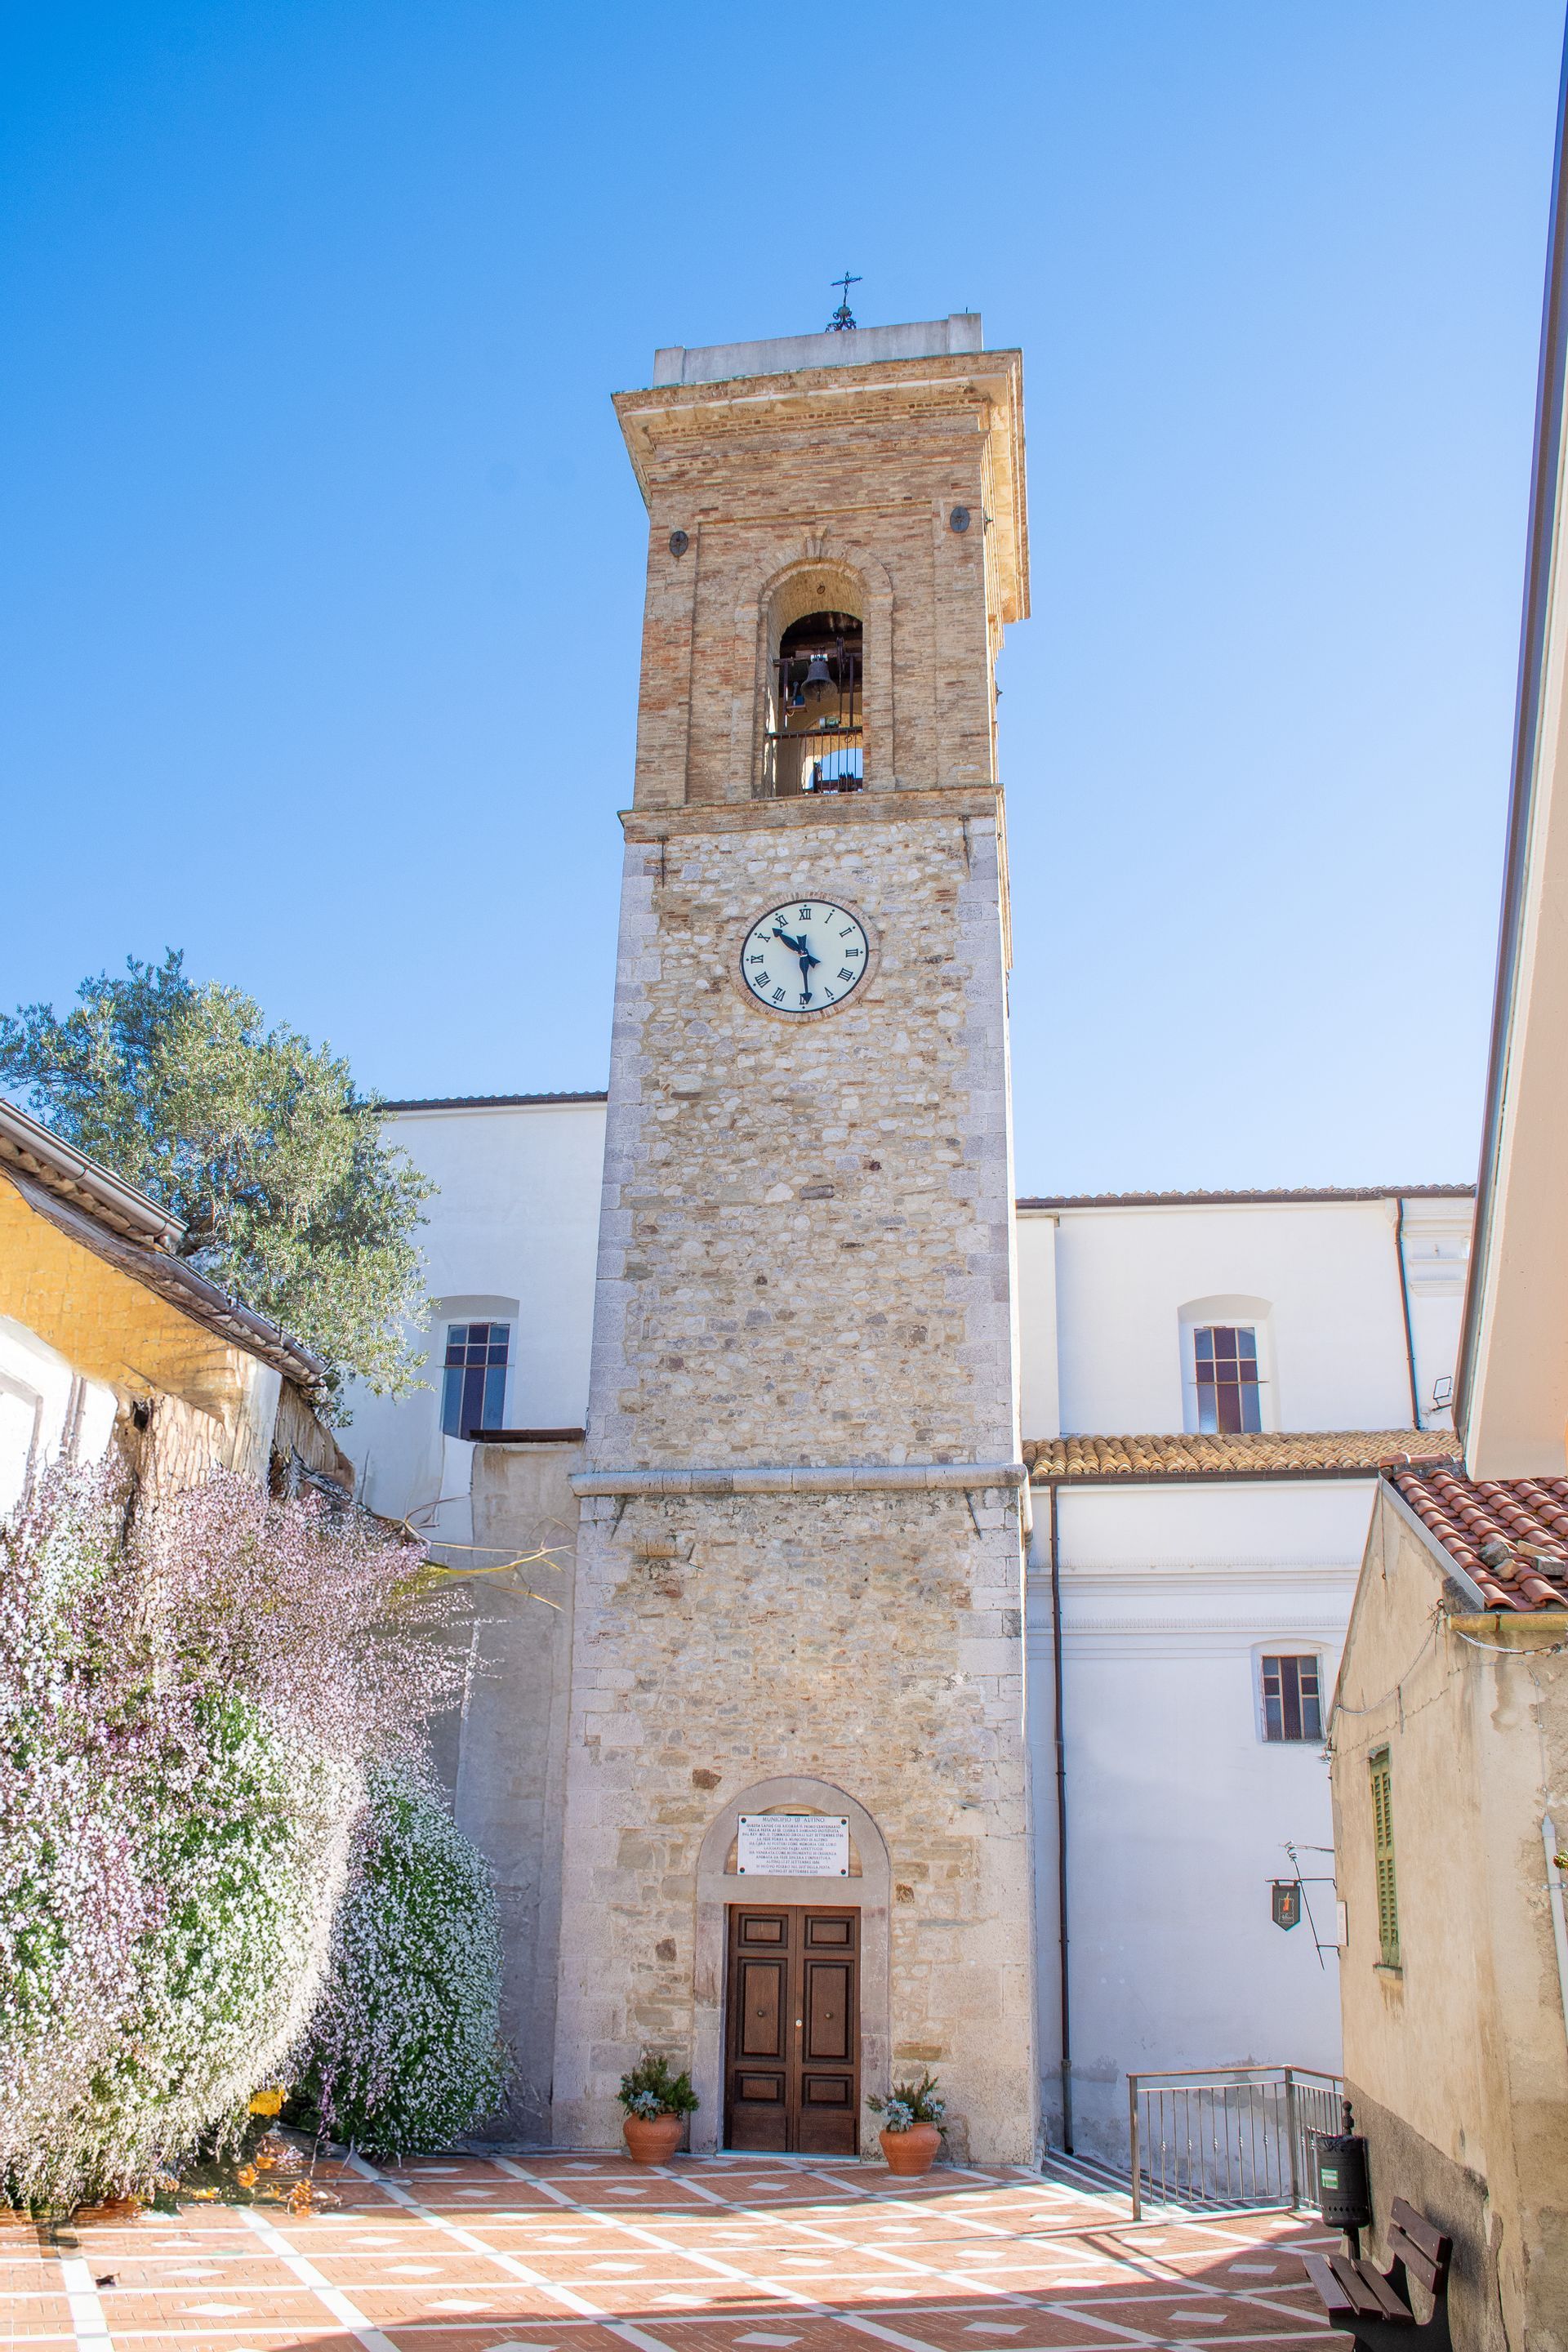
point(657, 2103)
point(912, 2126)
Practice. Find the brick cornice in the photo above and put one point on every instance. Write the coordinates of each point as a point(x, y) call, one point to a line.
point(732, 401)
point(877, 806)
point(666, 423)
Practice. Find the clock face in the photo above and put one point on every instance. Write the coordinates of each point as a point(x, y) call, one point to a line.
point(805, 957)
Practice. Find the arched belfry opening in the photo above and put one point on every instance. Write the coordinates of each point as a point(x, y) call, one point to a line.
point(816, 739)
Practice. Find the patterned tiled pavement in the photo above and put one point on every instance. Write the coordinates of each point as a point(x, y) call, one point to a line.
point(722, 2255)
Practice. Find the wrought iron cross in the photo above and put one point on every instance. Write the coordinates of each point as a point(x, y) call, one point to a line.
point(843, 317)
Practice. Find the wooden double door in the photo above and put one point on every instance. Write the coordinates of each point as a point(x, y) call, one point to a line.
point(792, 2030)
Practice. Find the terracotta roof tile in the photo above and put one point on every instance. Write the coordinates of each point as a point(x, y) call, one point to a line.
point(1273, 1452)
point(1510, 1536)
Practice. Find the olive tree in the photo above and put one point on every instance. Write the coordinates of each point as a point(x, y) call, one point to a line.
point(256, 1140)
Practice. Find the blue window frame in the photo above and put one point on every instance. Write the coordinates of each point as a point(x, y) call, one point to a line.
point(475, 1391)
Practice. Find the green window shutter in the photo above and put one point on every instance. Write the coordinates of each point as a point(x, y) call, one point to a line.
point(1383, 1859)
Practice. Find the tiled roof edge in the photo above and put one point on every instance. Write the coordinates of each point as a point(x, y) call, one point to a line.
point(174, 1281)
point(1093, 1458)
point(85, 1182)
point(1304, 1193)
point(490, 1102)
point(1433, 1543)
point(1508, 1537)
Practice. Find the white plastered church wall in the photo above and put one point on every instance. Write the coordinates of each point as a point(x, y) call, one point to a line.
point(514, 1217)
point(1180, 1813)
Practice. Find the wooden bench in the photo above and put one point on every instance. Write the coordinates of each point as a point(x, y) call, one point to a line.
point(1374, 2307)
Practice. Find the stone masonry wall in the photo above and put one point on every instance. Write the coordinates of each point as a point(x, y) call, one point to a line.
point(504, 1755)
point(804, 1258)
point(806, 1236)
point(867, 1640)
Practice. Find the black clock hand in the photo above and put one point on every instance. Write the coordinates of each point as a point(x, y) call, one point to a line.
point(801, 948)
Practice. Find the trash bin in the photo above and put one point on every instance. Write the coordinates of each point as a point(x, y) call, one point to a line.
point(1344, 2198)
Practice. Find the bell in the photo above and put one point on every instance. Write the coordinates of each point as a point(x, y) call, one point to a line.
point(819, 687)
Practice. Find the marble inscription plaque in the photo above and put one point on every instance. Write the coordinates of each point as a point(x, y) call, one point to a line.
point(792, 1845)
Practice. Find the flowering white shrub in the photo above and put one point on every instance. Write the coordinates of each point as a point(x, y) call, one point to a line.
point(250, 1868)
point(81, 1733)
point(326, 1619)
point(186, 1701)
point(405, 2050)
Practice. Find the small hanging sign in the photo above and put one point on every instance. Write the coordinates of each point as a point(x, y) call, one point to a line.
point(792, 1845)
point(1286, 1903)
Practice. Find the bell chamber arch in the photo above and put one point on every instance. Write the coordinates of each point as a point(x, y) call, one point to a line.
point(813, 711)
point(816, 737)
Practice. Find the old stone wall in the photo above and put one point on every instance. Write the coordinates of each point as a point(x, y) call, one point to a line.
point(298, 1437)
point(805, 1260)
point(805, 1252)
point(170, 1446)
point(869, 1642)
point(801, 1557)
point(503, 1755)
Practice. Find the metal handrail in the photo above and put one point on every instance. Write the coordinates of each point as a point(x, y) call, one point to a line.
point(1256, 2127)
point(813, 759)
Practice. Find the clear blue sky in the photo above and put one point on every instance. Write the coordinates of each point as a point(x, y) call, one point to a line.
point(321, 560)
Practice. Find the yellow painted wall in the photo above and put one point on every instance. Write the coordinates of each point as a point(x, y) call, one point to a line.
point(113, 1329)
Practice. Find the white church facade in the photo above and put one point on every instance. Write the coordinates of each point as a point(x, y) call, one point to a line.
point(838, 1461)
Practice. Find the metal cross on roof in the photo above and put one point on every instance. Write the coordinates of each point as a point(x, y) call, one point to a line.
point(843, 317)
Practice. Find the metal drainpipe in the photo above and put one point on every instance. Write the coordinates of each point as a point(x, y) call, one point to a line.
point(1554, 1896)
point(1061, 1823)
point(1405, 1302)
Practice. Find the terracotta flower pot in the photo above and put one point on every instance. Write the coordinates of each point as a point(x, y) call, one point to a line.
point(652, 2139)
point(912, 2151)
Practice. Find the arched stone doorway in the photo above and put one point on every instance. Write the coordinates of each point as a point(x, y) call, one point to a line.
point(869, 1889)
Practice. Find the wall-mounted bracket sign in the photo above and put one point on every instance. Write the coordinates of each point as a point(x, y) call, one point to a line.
point(792, 1845)
point(1285, 1901)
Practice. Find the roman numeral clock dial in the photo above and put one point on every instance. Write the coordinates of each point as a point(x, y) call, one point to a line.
point(806, 956)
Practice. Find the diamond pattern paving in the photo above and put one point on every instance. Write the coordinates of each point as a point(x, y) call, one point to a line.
point(569, 2254)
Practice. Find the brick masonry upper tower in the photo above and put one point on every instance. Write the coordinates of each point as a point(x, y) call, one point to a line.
point(800, 1567)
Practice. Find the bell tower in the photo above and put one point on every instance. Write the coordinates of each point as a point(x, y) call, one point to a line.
point(797, 1838)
